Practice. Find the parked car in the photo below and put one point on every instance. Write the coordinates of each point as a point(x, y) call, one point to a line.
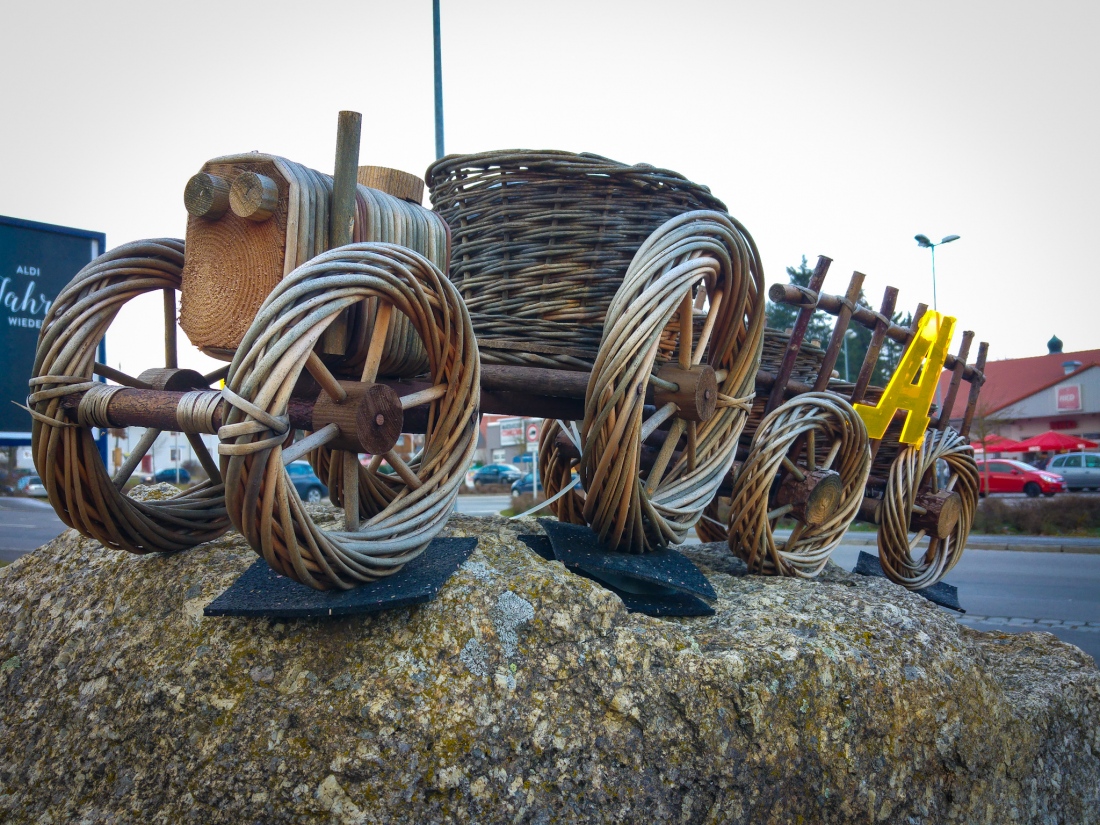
point(31, 486)
point(169, 474)
point(1080, 470)
point(493, 474)
point(525, 486)
point(1006, 476)
point(305, 481)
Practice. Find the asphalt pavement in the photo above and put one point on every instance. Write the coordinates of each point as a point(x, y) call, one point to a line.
point(26, 523)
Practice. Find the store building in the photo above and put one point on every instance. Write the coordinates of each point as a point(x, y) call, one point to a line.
point(1023, 397)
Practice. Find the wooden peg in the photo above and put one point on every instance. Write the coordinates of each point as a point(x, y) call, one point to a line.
point(403, 185)
point(206, 196)
point(253, 196)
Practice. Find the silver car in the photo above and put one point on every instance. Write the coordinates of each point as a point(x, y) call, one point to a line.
point(1080, 470)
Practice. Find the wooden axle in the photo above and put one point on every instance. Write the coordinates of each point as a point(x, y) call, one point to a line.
point(813, 498)
point(935, 513)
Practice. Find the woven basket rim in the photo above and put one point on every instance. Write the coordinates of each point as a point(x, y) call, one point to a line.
point(583, 165)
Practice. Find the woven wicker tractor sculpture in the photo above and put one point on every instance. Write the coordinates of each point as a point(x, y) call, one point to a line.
point(621, 302)
point(325, 294)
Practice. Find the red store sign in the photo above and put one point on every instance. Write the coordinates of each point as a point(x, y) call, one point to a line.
point(1068, 397)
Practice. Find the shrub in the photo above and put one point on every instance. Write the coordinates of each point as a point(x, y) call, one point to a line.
point(1058, 516)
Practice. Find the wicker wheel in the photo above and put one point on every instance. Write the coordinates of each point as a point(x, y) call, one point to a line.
point(403, 512)
point(556, 472)
point(912, 471)
point(638, 511)
point(829, 444)
point(65, 454)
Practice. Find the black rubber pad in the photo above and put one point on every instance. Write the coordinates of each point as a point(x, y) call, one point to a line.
point(658, 601)
point(945, 595)
point(260, 591)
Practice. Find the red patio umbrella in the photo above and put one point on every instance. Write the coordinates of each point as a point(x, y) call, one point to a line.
point(994, 443)
point(1053, 442)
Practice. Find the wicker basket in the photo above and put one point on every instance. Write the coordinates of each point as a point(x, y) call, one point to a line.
point(542, 240)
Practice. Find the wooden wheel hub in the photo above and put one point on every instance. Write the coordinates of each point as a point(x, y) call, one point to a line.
point(370, 418)
point(941, 512)
point(162, 378)
point(697, 396)
point(813, 498)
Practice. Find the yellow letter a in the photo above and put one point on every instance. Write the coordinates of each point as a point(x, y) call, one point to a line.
point(926, 353)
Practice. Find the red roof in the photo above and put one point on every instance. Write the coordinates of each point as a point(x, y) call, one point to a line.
point(1015, 379)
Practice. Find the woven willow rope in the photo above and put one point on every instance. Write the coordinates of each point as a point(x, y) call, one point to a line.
point(65, 455)
point(261, 499)
point(541, 241)
point(635, 512)
point(807, 418)
point(914, 466)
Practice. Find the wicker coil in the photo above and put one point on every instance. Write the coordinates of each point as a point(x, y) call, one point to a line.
point(65, 454)
point(914, 467)
point(541, 241)
point(831, 423)
point(636, 512)
point(405, 514)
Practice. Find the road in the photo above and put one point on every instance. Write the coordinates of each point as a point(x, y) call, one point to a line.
point(26, 523)
point(1011, 591)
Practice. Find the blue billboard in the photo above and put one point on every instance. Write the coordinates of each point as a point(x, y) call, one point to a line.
point(36, 261)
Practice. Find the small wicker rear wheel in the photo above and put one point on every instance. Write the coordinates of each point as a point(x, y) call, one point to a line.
point(913, 471)
point(816, 437)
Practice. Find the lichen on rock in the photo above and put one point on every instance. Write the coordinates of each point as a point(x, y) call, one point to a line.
point(523, 693)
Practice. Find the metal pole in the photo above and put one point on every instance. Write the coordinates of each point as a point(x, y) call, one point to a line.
point(934, 306)
point(438, 83)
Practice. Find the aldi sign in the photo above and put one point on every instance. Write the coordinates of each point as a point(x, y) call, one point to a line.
point(36, 261)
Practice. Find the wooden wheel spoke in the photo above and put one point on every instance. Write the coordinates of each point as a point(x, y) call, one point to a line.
point(692, 445)
point(205, 459)
point(351, 490)
point(403, 470)
point(916, 539)
point(120, 377)
point(795, 535)
point(793, 469)
point(219, 374)
point(171, 358)
point(382, 317)
point(664, 456)
point(326, 379)
point(424, 396)
point(708, 328)
point(311, 442)
point(779, 512)
point(684, 350)
point(811, 451)
point(831, 457)
point(139, 451)
point(657, 419)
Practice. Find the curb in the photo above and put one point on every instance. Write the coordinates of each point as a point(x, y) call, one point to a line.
point(1017, 544)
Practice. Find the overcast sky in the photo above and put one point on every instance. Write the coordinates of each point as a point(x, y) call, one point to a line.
point(840, 128)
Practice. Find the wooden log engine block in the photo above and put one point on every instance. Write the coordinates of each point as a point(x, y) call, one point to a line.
point(254, 218)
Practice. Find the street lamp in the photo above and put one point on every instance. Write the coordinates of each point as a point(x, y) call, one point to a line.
point(922, 240)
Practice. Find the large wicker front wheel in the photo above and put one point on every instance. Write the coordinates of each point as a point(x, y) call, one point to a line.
point(694, 289)
point(402, 512)
point(914, 471)
point(66, 456)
